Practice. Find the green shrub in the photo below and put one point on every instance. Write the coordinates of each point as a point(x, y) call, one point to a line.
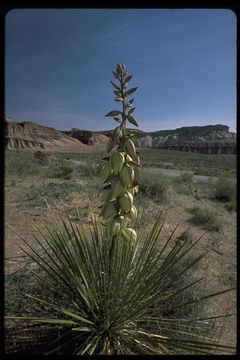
point(60, 169)
point(197, 196)
point(22, 164)
point(231, 205)
point(225, 189)
point(88, 169)
point(186, 236)
point(206, 218)
point(186, 177)
point(152, 182)
point(183, 184)
point(51, 191)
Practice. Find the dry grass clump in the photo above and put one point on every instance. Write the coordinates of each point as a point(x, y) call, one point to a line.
point(206, 218)
point(225, 189)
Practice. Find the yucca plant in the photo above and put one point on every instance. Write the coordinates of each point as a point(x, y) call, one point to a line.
point(109, 292)
point(119, 173)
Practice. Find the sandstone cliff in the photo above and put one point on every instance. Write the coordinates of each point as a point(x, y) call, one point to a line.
point(211, 139)
point(87, 137)
point(28, 135)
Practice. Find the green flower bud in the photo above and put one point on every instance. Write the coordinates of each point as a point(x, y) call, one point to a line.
point(106, 194)
point(108, 210)
point(106, 172)
point(117, 160)
point(130, 149)
point(133, 213)
point(117, 188)
point(129, 234)
point(126, 175)
point(114, 139)
point(126, 201)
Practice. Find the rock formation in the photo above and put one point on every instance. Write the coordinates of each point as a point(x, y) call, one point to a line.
point(28, 135)
point(210, 139)
point(88, 137)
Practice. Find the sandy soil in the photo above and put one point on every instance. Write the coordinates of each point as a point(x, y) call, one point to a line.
point(220, 261)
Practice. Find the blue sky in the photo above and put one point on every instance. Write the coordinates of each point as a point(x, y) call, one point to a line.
point(59, 62)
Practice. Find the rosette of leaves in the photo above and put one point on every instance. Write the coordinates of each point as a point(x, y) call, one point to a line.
point(119, 172)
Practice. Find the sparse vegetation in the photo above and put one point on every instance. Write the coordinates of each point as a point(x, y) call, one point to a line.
point(231, 205)
point(225, 189)
point(200, 164)
point(60, 169)
point(187, 177)
point(21, 165)
point(52, 191)
point(206, 218)
point(86, 169)
point(153, 183)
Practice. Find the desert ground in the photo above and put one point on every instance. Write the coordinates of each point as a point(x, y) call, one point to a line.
point(74, 178)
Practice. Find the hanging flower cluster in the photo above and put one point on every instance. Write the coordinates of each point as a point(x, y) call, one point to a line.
point(119, 172)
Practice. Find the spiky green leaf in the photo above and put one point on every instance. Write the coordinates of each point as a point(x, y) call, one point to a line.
point(128, 78)
point(115, 74)
point(132, 120)
point(117, 119)
point(130, 91)
point(129, 104)
point(113, 113)
point(115, 85)
point(131, 111)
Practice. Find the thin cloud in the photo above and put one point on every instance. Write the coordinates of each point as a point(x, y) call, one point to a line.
point(108, 36)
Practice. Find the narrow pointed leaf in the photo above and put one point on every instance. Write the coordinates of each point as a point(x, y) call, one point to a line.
point(61, 309)
point(129, 104)
point(42, 320)
point(115, 85)
point(130, 91)
point(132, 120)
point(83, 329)
point(117, 119)
point(113, 113)
point(131, 111)
point(116, 92)
point(128, 78)
point(115, 75)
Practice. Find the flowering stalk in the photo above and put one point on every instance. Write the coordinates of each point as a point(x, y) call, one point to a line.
point(119, 173)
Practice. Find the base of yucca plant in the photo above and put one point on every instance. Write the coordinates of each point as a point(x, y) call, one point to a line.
point(138, 298)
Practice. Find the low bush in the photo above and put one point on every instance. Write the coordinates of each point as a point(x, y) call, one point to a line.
point(225, 189)
point(231, 205)
point(52, 192)
point(22, 164)
point(206, 218)
point(88, 169)
point(60, 169)
point(183, 185)
point(152, 182)
point(186, 177)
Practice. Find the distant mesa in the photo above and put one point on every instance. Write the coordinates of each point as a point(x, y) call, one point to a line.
point(210, 139)
point(32, 136)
